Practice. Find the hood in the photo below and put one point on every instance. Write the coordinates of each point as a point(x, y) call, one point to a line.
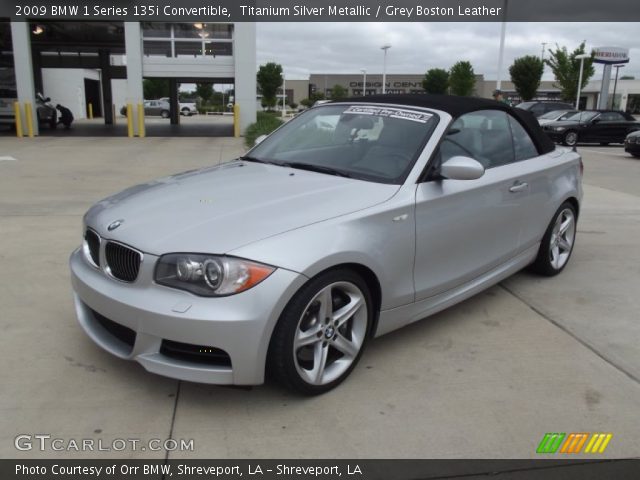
point(218, 209)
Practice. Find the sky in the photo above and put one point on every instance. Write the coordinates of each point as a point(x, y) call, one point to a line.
point(304, 48)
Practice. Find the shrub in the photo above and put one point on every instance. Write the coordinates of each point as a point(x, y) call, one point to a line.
point(265, 124)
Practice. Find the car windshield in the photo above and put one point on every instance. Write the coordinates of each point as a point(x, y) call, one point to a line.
point(368, 142)
point(583, 116)
point(552, 115)
point(525, 105)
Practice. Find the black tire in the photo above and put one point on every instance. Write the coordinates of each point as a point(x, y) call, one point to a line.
point(570, 138)
point(164, 113)
point(186, 112)
point(604, 144)
point(283, 358)
point(637, 155)
point(543, 264)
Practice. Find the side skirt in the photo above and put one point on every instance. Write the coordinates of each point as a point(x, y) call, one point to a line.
point(398, 317)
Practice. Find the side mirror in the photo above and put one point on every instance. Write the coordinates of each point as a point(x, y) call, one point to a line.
point(462, 168)
point(259, 140)
point(595, 120)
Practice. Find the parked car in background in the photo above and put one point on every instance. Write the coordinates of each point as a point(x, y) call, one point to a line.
point(46, 111)
point(7, 98)
point(632, 143)
point(555, 115)
point(153, 108)
point(186, 108)
point(540, 108)
point(592, 126)
point(289, 259)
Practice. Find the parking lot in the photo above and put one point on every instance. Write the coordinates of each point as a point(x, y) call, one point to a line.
point(484, 379)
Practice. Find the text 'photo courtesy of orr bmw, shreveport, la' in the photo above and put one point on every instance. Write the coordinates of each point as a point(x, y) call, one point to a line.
point(353, 219)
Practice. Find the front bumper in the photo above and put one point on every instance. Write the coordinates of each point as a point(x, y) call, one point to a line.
point(633, 148)
point(240, 325)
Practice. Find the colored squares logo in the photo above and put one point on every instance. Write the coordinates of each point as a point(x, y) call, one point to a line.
point(574, 443)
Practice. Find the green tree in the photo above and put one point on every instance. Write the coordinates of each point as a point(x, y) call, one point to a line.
point(627, 77)
point(313, 98)
point(338, 92)
point(153, 88)
point(269, 81)
point(204, 91)
point(436, 80)
point(462, 79)
point(566, 70)
point(526, 73)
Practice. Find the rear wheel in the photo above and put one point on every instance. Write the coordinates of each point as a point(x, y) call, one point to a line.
point(570, 138)
point(321, 333)
point(557, 243)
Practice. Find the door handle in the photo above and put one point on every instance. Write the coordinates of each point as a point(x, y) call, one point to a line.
point(518, 187)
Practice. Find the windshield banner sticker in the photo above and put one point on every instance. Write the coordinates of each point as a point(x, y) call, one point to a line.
point(390, 112)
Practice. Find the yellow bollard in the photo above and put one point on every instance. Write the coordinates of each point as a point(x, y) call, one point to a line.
point(28, 114)
point(90, 111)
point(16, 109)
point(236, 120)
point(130, 120)
point(141, 131)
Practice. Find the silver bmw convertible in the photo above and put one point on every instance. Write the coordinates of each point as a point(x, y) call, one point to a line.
point(352, 220)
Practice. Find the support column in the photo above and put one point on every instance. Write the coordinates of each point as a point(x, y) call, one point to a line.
point(604, 90)
point(173, 102)
point(244, 53)
point(105, 81)
point(37, 71)
point(23, 68)
point(134, 54)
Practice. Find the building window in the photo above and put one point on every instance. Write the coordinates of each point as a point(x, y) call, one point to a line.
point(197, 40)
point(633, 104)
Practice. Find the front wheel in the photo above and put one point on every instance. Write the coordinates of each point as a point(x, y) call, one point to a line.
point(164, 113)
point(321, 333)
point(557, 243)
point(570, 138)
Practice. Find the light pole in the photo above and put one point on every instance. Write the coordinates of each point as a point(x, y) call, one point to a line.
point(544, 44)
point(581, 58)
point(284, 94)
point(384, 68)
point(503, 33)
point(615, 84)
point(364, 82)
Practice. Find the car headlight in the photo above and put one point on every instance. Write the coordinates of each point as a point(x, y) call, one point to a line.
point(559, 129)
point(209, 275)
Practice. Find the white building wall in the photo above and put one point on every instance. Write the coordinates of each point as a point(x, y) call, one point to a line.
point(66, 87)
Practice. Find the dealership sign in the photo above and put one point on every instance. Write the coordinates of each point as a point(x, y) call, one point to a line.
point(610, 55)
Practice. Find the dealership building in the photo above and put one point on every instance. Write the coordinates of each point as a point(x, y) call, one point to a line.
point(104, 63)
point(627, 92)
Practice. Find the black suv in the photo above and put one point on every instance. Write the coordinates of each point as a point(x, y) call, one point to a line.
point(540, 108)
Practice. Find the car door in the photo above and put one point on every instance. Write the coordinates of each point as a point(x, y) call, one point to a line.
point(465, 228)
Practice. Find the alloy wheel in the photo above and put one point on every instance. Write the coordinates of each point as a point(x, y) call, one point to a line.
point(330, 333)
point(562, 238)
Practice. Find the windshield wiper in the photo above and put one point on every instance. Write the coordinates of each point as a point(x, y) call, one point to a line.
point(316, 168)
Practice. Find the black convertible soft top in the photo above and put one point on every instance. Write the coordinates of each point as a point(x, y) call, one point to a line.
point(457, 106)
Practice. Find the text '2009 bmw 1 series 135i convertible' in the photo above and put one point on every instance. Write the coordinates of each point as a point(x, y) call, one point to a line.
point(353, 219)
